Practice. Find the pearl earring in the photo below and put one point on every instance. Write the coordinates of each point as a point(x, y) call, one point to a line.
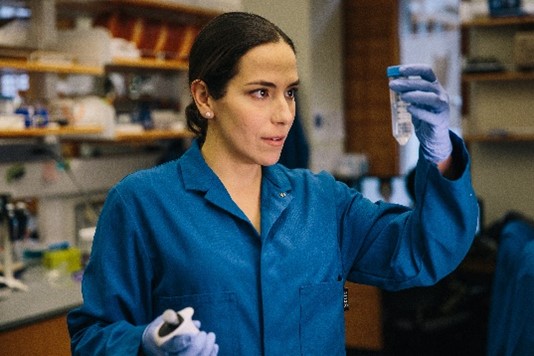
point(208, 115)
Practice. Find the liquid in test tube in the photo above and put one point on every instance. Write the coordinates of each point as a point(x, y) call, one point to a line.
point(401, 119)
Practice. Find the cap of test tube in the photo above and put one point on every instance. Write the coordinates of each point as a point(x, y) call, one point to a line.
point(393, 71)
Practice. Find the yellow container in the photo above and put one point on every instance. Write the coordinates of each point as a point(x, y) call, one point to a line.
point(70, 257)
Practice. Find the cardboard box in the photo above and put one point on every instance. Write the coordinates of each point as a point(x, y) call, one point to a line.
point(523, 50)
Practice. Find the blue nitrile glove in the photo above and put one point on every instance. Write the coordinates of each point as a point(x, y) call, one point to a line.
point(429, 106)
point(201, 344)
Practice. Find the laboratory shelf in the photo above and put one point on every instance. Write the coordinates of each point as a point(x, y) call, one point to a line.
point(166, 10)
point(41, 132)
point(498, 76)
point(497, 104)
point(18, 59)
point(146, 64)
point(23, 65)
point(499, 138)
point(487, 21)
point(152, 135)
point(93, 133)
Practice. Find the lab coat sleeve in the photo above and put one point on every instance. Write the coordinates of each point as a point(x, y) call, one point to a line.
point(115, 289)
point(404, 247)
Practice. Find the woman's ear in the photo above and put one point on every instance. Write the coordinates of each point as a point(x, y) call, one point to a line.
point(201, 96)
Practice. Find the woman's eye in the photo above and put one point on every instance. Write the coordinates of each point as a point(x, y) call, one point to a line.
point(260, 93)
point(291, 93)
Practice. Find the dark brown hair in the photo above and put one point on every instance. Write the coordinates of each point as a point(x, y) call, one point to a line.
point(216, 53)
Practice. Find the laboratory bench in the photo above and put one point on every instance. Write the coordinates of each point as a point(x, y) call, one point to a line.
point(33, 322)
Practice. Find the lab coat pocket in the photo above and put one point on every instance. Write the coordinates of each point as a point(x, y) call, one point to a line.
point(322, 327)
point(216, 313)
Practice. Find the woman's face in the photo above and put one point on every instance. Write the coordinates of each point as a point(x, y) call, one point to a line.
point(253, 118)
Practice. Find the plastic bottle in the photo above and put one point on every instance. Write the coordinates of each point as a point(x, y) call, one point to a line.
point(85, 243)
point(25, 112)
point(40, 117)
point(401, 119)
point(24, 109)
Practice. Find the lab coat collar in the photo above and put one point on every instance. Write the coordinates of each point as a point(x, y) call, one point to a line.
point(275, 196)
point(198, 176)
point(196, 173)
point(276, 187)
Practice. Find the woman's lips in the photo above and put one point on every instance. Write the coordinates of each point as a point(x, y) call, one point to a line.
point(275, 140)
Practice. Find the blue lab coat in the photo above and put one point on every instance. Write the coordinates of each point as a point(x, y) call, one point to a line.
point(171, 237)
point(511, 317)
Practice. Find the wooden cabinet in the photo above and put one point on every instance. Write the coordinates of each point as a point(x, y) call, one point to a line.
point(46, 337)
point(363, 319)
point(371, 44)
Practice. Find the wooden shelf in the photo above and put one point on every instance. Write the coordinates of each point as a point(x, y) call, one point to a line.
point(23, 65)
point(173, 12)
point(152, 135)
point(76, 132)
point(487, 21)
point(148, 63)
point(41, 132)
point(499, 138)
point(498, 76)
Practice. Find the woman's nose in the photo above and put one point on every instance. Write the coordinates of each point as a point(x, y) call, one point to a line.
point(284, 112)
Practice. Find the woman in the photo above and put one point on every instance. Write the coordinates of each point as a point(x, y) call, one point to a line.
point(262, 252)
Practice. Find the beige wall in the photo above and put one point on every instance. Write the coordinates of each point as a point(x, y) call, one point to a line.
point(503, 176)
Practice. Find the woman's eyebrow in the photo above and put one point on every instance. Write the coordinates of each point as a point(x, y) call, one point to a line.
point(262, 83)
point(296, 83)
point(270, 84)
